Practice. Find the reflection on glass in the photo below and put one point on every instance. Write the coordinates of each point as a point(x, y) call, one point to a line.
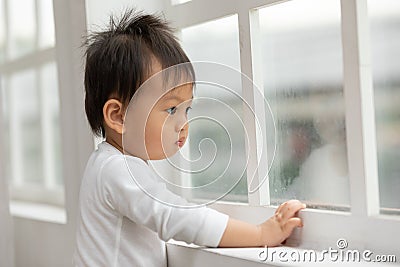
point(46, 23)
point(385, 38)
point(302, 70)
point(22, 29)
point(25, 129)
point(216, 41)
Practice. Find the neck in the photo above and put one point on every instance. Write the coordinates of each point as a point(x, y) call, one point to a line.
point(114, 142)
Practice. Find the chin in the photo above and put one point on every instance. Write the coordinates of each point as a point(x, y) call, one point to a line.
point(170, 154)
point(163, 155)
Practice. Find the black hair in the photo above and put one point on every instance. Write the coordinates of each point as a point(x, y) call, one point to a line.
point(118, 60)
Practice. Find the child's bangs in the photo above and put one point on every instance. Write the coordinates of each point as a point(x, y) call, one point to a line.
point(178, 75)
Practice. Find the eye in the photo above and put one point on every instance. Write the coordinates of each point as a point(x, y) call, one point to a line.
point(171, 111)
point(187, 109)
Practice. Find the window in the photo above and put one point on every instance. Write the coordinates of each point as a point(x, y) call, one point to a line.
point(385, 41)
point(303, 82)
point(21, 33)
point(310, 60)
point(30, 101)
point(216, 131)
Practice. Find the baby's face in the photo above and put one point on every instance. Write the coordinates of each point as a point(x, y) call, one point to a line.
point(156, 121)
point(166, 127)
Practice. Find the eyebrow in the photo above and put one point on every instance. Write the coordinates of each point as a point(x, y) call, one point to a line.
point(174, 97)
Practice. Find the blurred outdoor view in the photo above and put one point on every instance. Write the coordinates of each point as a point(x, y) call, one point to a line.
point(216, 135)
point(303, 82)
point(385, 41)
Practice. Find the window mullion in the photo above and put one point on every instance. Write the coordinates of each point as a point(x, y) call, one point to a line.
point(28, 61)
point(360, 123)
point(253, 110)
point(76, 139)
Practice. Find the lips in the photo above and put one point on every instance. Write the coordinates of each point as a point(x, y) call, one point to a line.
point(181, 141)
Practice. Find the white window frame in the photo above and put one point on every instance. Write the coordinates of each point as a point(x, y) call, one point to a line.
point(48, 192)
point(363, 227)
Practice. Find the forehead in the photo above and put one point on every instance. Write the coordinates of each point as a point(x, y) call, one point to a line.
point(172, 77)
point(173, 83)
point(182, 92)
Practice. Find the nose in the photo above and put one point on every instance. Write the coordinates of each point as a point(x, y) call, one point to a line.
point(182, 124)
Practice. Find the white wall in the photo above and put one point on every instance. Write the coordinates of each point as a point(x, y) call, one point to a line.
point(6, 233)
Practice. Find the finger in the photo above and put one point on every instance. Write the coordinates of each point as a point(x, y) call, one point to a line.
point(294, 201)
point(281, 207)
point(291, 224)
point(290, 210)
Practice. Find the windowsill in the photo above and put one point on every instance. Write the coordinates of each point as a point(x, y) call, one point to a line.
point(38, 212)
point(182, 254)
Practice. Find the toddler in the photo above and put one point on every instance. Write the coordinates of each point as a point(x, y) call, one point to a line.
point(126, 213)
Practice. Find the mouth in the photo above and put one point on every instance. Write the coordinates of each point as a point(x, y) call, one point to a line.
point(181, 141)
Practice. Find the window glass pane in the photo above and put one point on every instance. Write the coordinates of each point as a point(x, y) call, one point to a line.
point(214, 134)
point(302, 70)
point(51, 123)
point(25, 129)
point(46, 23)
point(22, 27)
point(385, 43)
point(220, 46)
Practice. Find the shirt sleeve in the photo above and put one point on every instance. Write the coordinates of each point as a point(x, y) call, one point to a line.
point(135, 193)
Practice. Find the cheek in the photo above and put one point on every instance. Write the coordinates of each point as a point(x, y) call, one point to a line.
point(156, 128)
point(167, 131)
point(160, 128)
point(153, 132)
point(160, 141)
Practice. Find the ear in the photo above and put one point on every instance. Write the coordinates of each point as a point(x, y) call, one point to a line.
point(113, 114)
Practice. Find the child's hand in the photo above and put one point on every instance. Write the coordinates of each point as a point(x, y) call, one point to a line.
point(279, 227)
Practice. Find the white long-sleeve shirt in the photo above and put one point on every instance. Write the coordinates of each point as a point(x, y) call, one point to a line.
point(124, 219)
